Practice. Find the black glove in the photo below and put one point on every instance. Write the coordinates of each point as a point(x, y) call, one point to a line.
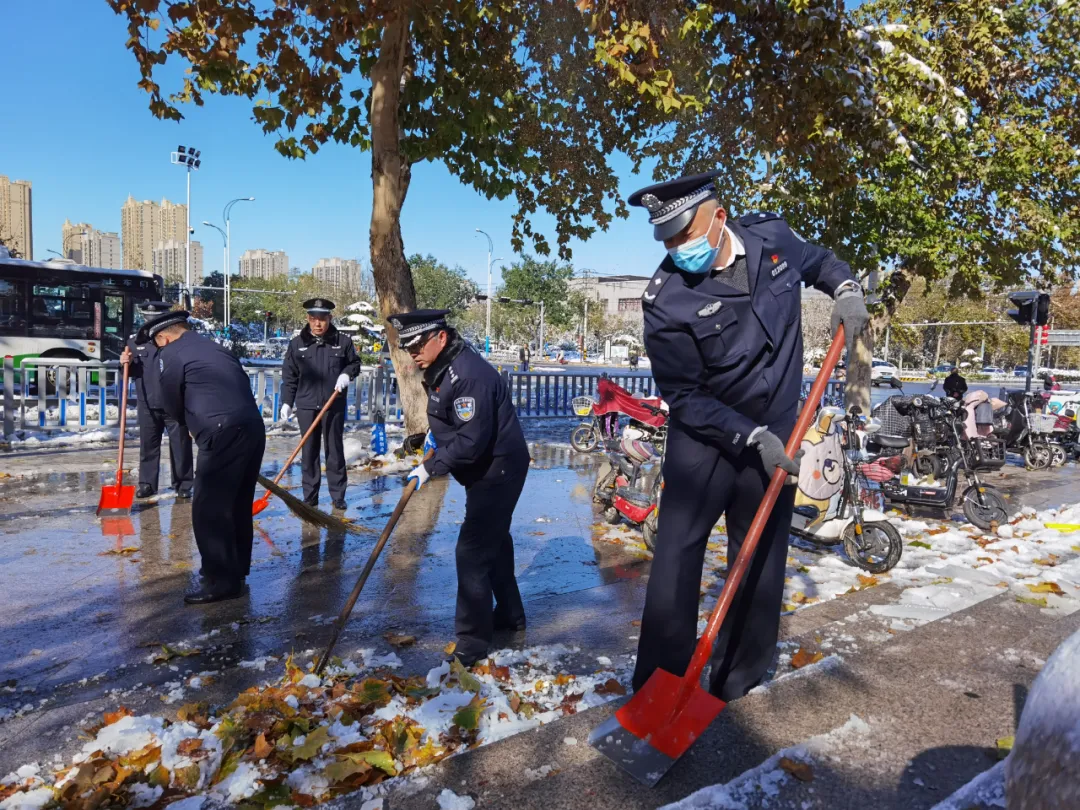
point(770, 447)
point(850, 310)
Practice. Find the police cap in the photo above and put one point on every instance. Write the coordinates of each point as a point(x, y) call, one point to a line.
point(156, 323)
point(672, 204)
point(318, 306)
point(150, 309)
point(411, 326)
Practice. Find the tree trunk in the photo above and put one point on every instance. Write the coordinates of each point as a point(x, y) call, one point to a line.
point(390, 175)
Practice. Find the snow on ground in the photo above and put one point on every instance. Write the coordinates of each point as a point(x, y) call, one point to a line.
point(759, 785)
point(303, 738)
point(946, 566)
point(985, 790)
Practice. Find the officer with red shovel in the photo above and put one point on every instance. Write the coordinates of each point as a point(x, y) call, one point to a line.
point(723, 332)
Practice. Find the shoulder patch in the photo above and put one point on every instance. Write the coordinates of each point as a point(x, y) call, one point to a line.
point(656, 283)
point(465, 408)
point(749, 220)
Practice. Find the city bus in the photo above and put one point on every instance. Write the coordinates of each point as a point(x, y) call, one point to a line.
point(65, 310)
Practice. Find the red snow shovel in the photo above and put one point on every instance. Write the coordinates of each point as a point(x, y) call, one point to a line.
point(118, 497)
point(264, 501)
point(663, 718)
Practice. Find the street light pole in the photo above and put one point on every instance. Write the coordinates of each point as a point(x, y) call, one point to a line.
point(226, 214)
point(487, 327)
point(224, 258)
point(541, 346)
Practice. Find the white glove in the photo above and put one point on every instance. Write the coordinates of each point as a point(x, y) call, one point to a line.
point(286, 412)
point(420, 475)
point(342, 382)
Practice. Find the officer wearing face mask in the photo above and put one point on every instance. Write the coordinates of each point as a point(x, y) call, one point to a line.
point(723, 332)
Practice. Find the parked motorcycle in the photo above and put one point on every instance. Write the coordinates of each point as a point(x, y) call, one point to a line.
point(605, 415)
point(625, 490)
point(850, 515)
point(963, 456)
point(1025, 429)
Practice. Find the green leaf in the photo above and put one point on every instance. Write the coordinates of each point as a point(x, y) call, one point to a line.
point(311, 746)
point(344, 768)
point(467, 717)
point(1003, 745)
point(1031, 600)
point(919, 544)
point(375, 758)
point(468, 681)
point(373, 691)
point(169, 653)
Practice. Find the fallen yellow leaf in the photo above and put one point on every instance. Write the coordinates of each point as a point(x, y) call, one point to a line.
point(800, 770)
point(803, 658)
point(1047, 587)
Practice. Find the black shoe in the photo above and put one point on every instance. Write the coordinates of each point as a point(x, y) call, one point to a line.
point(145, 491)
point(468, 660)
point(510, 627)
point(341, 504)
point(214, 592)
point(183, 494)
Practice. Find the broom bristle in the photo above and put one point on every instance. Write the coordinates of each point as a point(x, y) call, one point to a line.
point(306, 512)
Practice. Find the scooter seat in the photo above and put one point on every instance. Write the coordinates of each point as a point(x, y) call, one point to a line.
point(808, 511)
point(889, 441)
point(634, 496)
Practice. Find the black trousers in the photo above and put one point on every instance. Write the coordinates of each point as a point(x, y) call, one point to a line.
point(701, 483)
point(151, 425)
point(229, 463)
point(485, 563)
point(332, 432)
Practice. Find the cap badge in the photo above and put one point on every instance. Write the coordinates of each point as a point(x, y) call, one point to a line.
point(651, 202)
point(394, 322)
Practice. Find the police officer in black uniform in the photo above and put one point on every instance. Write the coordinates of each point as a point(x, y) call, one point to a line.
point(723, 332)
point(153, 420)
point(319, 360)
point(204, 389)
point(477, 439)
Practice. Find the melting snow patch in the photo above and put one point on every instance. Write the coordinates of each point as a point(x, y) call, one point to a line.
point(448, 800)
point(30, 800)
point(985, 790)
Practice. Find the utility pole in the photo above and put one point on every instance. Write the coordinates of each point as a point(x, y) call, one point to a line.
point(541, 346)
point(487, 325)
point(188, 157)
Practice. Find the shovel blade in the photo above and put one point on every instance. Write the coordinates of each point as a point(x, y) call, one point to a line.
point(116, 498)
point(647, 736)
point(117, 527)
point(260, 504)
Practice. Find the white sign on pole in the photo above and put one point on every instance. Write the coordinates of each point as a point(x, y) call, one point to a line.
point(1065, 337)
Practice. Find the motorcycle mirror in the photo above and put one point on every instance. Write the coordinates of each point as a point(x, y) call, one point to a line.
point(855, 410)
point(934, 385)
point(896, 383)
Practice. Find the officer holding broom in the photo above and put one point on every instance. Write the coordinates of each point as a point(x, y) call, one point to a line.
point(475, 437)
point(319, 361)
point(723, 331)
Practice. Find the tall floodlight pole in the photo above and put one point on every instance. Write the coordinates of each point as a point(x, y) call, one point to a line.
point(188, 157)
point(228, 257)
point(487, 327)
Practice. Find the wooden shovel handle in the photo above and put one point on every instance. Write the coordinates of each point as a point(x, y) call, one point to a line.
point(742, 561)
point(306, 436)
point(123, 425)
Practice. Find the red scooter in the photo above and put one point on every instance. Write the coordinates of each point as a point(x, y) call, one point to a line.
point(605, 413)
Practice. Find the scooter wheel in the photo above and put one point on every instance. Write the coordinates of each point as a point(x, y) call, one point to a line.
point(648, 530)
point(1037, 456)
point(1057, 455)
point(584, 438)
point(877, 550)
point(611, 515)
point(992, 510)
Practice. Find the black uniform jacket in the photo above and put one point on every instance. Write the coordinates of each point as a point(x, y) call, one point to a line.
point(144, 370)
point(204, 387)
point(472, 418)
point(727, 362)
point(312, 366)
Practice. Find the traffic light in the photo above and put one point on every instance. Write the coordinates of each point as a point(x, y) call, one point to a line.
point(1032, 306)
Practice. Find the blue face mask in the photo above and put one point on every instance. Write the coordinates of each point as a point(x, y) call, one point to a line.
point(697, 255)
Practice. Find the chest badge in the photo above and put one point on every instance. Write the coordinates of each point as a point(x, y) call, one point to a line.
point(710, 309)
point(465, 408)
point(161, 365)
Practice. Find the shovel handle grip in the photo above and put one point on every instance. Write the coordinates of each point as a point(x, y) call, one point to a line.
point(742, 561)
point(306, 436)
point(123, 425)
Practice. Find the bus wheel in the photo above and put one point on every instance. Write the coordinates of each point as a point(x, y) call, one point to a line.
point(50, 373)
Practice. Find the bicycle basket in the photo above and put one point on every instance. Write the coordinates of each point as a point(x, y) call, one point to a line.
point(989, 453)
point(582, 405)
point(1041, 422)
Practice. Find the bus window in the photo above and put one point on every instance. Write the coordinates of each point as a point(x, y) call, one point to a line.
point(112, 337)
point(63, 310)
point(12, 306)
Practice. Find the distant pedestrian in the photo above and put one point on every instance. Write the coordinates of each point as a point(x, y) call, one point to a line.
point(633, 360)
point(207, 392)
point(475, 437)
point(143, 358)
point(526, 357)
point(955, 385)
point(319, 361)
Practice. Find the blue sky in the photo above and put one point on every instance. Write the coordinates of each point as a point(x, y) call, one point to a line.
point(76, 125)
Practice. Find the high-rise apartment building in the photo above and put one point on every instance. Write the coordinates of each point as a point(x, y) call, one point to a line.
point(143, 225)
point(85, 244)
point(260, 263)
point(169, 260)
point(16, 216)
point(340, 274)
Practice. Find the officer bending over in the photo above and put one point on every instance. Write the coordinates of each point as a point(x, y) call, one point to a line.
point(477, 439)
point(143, 358)
point(723, 331)
point(319, 361)
point(205, 390)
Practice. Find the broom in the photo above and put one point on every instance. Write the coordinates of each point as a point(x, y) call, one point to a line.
point(307, 512)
